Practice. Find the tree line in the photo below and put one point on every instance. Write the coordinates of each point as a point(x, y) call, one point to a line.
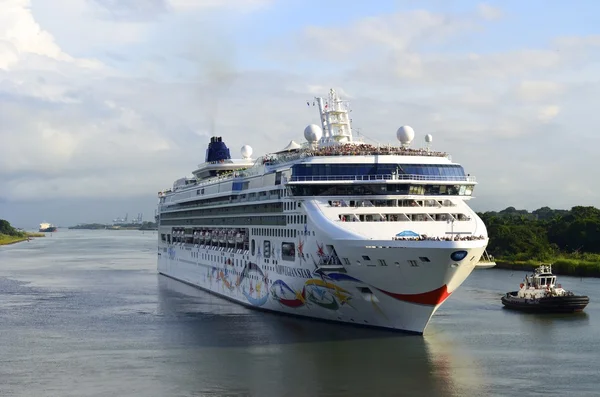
point(543, 234)
point(7, 229)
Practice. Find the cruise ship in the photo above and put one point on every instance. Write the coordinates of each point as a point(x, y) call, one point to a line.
point(331, 228)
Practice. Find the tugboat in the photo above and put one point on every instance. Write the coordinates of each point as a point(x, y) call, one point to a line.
point(540, 293)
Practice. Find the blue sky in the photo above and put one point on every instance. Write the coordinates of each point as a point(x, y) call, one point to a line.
point(106, 101)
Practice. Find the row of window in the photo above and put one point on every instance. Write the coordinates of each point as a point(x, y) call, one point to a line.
point(231, 210)
point(288, 253)
point(228, 221)
point(391, 203)
point(267, 232)
point(377, 169)
point(288, 250)
point(382, 262)
point(402, 217)
point(291, 205)
point(381, 189)
point(228, 199)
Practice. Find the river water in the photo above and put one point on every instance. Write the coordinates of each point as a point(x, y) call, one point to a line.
point(84, 313)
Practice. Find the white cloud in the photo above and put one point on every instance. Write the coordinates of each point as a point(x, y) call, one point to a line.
point(535, 91)
point(395, 33)
point(92, 27)
point(489, 12)
point(185, 5)
point(76, 127)
point(548, 113)
point(21, 35)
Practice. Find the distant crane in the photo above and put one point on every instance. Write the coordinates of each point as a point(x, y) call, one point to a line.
point(124, 221)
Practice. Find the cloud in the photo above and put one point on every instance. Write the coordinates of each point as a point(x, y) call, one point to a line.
point(547, 113)
point(535, 91)
point(131, 9)
point(126, 105)
point(395, 33)
point(237, 5)
point(21, 36)
point(489, 12)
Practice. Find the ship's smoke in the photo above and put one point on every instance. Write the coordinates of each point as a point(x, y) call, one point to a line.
point(214, 56)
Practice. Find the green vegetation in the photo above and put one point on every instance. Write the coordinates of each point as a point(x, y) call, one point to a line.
point(128, 226)
point(568, 239)
point(89, 226)
point(10, 235)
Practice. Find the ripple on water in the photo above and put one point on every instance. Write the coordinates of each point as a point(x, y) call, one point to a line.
point(85, 314)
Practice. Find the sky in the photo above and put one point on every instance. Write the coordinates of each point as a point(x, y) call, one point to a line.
point(105, 102)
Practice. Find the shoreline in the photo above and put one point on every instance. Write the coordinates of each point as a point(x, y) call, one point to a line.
point(565, 267)
point(6, 239)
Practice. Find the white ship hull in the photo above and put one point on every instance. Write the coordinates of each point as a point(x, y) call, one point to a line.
point(401, 297)
point(334, 229)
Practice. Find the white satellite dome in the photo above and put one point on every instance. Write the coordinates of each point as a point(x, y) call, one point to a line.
point(312, 133)
point(428, 138)
point(246, 151)
point(405, 134)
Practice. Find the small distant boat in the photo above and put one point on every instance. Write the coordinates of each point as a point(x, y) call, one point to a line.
point(47, 228)
point(540, 293)
point(486, 261)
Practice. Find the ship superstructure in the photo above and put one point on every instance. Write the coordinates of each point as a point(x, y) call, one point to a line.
point(47, 228)
point(332, 228)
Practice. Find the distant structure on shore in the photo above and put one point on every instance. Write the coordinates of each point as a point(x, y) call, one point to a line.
point(123, 221)
point(126, 226)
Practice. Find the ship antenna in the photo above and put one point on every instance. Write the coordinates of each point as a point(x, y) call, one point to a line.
point(334, 118)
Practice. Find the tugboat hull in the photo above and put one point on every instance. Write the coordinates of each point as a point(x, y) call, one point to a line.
point(555, 304)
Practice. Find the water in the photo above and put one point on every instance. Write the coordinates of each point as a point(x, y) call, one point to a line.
point(84, 313)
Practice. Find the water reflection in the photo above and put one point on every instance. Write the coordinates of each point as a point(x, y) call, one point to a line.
point(545, 327)
point(233, 350)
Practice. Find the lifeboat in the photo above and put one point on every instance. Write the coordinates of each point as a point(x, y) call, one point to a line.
point(215, 237)
point(230, 237)
point(222, 237)
point(239, 238)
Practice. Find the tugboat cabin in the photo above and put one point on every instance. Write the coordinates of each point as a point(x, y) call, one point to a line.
point(542, 278)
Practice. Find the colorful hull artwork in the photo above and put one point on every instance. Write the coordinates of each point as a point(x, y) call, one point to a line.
point(227, 278)
point(285, 295)
point(253, 284)
point(322, 293)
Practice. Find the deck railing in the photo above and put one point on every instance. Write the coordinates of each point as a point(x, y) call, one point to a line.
point(382, 177)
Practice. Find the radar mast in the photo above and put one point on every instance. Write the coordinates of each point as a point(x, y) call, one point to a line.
point(334, 119)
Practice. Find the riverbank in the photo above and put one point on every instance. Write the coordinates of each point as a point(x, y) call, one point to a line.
point(124, 226)
point(561, 266)
point(6, 239)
